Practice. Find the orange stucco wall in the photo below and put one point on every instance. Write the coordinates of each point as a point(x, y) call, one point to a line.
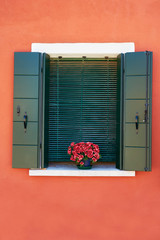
point(74, 208)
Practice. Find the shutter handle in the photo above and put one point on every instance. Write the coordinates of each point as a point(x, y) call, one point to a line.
point(25, 121)
point(18, 110)
point(145, 115)
point(137, 122)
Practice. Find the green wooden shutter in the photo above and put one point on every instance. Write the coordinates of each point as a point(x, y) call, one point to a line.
point(119, 112)
point(44, 110)
point(137, 99)
point(27, 78)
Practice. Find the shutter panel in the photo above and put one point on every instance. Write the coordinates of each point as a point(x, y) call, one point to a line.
point(27, 75)
point(137, 102)
point(45, 105)
point(119, 128)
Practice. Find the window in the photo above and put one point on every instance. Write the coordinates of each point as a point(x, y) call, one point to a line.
point(82, 105)
point(125, 97)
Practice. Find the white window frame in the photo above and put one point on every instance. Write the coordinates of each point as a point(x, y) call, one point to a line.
point(79, 50)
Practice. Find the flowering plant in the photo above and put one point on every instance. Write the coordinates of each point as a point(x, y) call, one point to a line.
point(80, 152)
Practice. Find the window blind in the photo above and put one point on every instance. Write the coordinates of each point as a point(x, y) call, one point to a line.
point(82, 105)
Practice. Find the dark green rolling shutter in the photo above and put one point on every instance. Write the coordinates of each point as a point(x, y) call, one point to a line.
point(28, 97)
point(82, 106)
point(137, 100)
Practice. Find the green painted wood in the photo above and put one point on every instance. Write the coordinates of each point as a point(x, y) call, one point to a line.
point(134, 100)
point(26, 63)
point(136, 158)
point(26, 86)
point(133, 139)
point(135, 87)
point(133, 106)
point(135, 64)
point(119, 112)
point(28, 138)
point(26, 105)
point(45, 104)
point(27, 79)
point(24, 157)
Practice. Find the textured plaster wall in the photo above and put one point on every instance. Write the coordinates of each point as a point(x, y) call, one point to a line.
point(69, 208)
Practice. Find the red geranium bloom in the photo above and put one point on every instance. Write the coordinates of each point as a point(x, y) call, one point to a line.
point(69, 150)
point(81, 163)
point(90, 153)
point(82, 151)
point(72, 144)
point(94, 159)
point(96, 155)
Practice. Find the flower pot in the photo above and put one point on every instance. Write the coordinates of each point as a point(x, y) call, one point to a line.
point(87, 165)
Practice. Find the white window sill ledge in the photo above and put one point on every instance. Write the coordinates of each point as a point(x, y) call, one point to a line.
point(69, 169)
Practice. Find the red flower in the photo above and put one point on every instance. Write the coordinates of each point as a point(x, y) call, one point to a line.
point(94, 159)
point(72, 158)
point(96, 148)
point(90, 153)
point(80, 151)
point(77, 149)
point(81, 163)
point(73, 152)
point(76, 156)
point(69, 150)
point(89, 144)
point(96, 155)
point(72, 144)
point(80, 157)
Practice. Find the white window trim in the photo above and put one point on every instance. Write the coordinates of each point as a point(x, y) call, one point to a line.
point(79, 50)
point(83, 48)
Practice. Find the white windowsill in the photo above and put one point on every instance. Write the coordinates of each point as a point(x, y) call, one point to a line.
point(69, 169)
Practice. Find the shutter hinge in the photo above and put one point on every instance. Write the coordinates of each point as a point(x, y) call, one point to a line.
point(41, 69)
point(146, 169)
point(40, 145)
